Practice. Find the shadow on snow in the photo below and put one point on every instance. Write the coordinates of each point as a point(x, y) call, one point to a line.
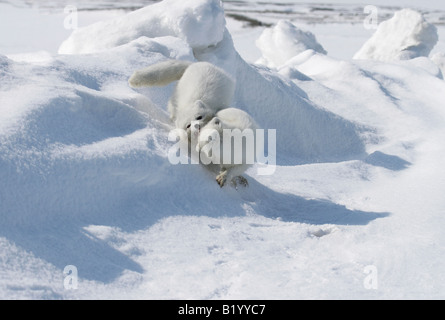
point(50, 223)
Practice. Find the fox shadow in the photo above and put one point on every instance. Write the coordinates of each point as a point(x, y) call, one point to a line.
point(292, 208)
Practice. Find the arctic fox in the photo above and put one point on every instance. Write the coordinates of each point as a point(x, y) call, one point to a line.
point(218, 150)
point(202, 90)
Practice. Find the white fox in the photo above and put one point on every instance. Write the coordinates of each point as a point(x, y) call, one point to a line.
point(217, 150)
point(202, 90)
point(200, 105)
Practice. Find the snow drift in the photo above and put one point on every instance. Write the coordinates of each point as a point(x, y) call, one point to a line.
point(284, 41)
point(86, 179)
point(274, 102)
point(192, 21)
point(405, 36)
point(82, 146)
point(439, 59)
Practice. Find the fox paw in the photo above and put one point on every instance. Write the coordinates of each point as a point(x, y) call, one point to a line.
point(239, 181)
point(221, 178)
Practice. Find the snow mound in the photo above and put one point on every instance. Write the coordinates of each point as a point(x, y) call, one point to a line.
point(86, 179)
point(439, 59)
point(407, 35)
point(280, 43)
point(199, 23)
point(273, 101)
point(81, 145)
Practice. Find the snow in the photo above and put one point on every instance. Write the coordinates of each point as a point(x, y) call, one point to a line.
point(439, 59)
point(405, 36)
point(284, 41)
point(86, 181)
point(200, 24)
point(25, 27)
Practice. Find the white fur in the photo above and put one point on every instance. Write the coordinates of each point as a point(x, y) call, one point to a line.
point(230, 118)
point(159, 74)
point(202, 90)
point(203, 96)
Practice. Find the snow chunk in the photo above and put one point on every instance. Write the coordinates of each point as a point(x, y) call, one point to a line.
point(439, 59)
point(3, 59)
point(4, 63)
point(405, 36)
point(283, 42)
point(200, 23)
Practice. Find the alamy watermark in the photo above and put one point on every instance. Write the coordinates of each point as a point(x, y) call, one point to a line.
point(371, 21)
point(70, 281)
point(71, 21)
point(371, 280)
point(224, 147)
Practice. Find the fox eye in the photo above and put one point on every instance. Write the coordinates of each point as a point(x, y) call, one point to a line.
point(188, 126)
point(198, 118)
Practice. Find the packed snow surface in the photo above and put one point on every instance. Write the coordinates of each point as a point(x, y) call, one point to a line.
point(354, 208)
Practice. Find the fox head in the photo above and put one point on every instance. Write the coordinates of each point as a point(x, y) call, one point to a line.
point(195, 118)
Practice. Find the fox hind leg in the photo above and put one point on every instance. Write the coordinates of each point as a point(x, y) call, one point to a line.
point(222, 177)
